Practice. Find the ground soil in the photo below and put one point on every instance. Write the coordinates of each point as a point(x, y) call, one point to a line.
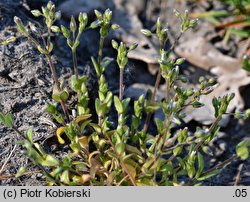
point(26, 88)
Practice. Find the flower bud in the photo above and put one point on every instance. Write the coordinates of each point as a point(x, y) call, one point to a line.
point(98, 15)
point(108, 14)
point(58, 15)
point(177, 14)
point(20, 26)
point(114, 44)
point(9, 40)
point(180, 61)
point(65, 31)
point(49, 5)
point(33, 28)
point(83, 18)
point(146, 32)
point(73, 24)
point(133, 46)
point(115, 26)
point(55, 29)
point(185, 16)
point(45, 12)
point(95, 24)
point(197, 104)
point(36, 13)
point(193, 23)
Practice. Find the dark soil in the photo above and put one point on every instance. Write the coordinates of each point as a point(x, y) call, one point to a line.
point(26, 88)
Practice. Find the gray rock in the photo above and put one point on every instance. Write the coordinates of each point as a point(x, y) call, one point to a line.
point(136, 90)
point(70, 7)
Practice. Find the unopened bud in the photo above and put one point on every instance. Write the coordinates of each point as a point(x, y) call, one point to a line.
point(114, 44)
point(180, 61)
point(146, 32)
point(65, 31)
point(133, 46)
point(58, 15)
point(108, 14)
point(98, 15)
point(115, 26)
point(9, 40)
point(36, 13)
point(177, 14)
point(72, 24)
point(95, 24)
point(55, 29)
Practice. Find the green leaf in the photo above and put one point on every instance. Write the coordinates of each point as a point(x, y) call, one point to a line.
point(120, 148)
point(105, 62)
point(64, 95)
point(246, 64)
point(21, 171)
point(2, 117)
point(65, 177)
point(59, 133)
point(97, 68)
point(96, 127)
point(50, 161)
point(159, 125)
point(125, 104)
point(97, 105)
point(82, 118)
point(208, 175)
point(243, 148)
point(76, 147)
point(118, 105)
point(29, 135)
point(191, 171)
point(8, 120)
point(200, 165)
point(131, 170)
point(65, 31)
point(135, 122)
point(177, 150)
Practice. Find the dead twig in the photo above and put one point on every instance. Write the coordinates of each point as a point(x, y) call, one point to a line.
point(14, 175)
point(237, 178)
point(8, 158)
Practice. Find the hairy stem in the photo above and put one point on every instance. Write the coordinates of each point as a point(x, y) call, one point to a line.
point(75, 63)
point(121, 84)
point(101, 42)
point(158, 79)
point(52, 68)
point(152, 100)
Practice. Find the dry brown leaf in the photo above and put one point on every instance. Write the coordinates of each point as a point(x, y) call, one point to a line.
point(130, 32)
point(230, 74)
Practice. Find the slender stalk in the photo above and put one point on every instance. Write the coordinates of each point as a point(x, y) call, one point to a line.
point(121, 84)
point(125, 169)
point(101, 42)
point(152, 100)
point(99, 59)
point(157, 82)
point(75, 63)
point(64, 107)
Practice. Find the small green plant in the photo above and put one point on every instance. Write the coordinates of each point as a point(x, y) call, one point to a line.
point(123, 153)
